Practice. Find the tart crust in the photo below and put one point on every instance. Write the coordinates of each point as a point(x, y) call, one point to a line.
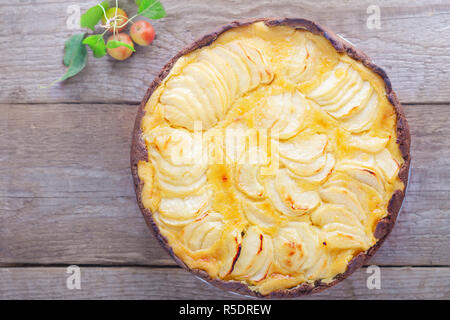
point(384, 226)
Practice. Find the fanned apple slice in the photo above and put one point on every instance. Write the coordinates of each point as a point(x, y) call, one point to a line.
point(346, 97)
point(187, 101)
point(342, 236)
point(324, 173)
point(256, 255)
point(320, 269)
point(358, 102)
point(342, 196)
point(306, 169)
point(175, 109)
point(334, 79)
point(283, 114)
point(351, 79)
point(287, 197)
point(237, 48)
point(258, 214)
point(296, 63)
point(364, 174)
point(175, 116)
point(216, 80)
point(230, 251)
point(223, 67)
point(204, 81)
point(367, 143)
point(364, 118)
point(236, 64)
point(178, 161)
point(184, 167)
point(181, 211)
point(296, 246)
point(205, 97)
point(363, 192)
point(179, 187)
point(204, 232)
point(388, 165)
point(312, 61)
point(333, 213)
point(345, 75)
point(247, 180)
point(304, 148)
point(252, 58)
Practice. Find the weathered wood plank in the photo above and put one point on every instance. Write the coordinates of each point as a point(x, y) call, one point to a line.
point(66, 193)
point(174, 283)
point(411, 45)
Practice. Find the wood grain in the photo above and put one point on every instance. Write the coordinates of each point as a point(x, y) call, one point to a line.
point(175, 283)
point(411, 45)
point(67, 195)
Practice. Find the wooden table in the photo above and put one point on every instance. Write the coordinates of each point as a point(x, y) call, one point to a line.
point(66, 194)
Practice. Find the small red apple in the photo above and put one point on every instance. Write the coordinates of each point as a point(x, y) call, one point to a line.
point(121, 19)
point(142, 33)
point(120, 53)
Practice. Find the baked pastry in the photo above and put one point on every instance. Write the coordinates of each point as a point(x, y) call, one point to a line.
point(271, 157)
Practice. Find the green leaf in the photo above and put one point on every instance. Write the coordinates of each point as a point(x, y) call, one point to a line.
point(115, 44)
point(97, 45)
point(152, 9)
point(75, 55)
point(91, 17)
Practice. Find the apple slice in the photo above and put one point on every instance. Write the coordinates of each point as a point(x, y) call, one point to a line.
point(177, 187)
point(342, 236)
point(187, 101)
point(216, 80)
point(333, 213)
point(334, 79)
point(334, 96)
point(238, 67)
point(283, 114)
point(258, 214)
point(304, 147)
point(388, 165)
point(367, 143)
point(306, 169)
point(358, 101)
point(345, 96)
point(296, 63)
point(175, 110)
point(205, 81)
point(344, 197)
point(364, 174)
point(363, 192)
point(256, 255)
point(247, 180)
point(324, 173)
point(364, 118)
point(287, 197)
point(180, 211)
point(204, 232)
point(255, 60)
point(320, 269)
point(223, 67)
point(230, 251)
point(296, 246)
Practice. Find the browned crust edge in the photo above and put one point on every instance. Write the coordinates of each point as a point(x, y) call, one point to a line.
point(384, 226)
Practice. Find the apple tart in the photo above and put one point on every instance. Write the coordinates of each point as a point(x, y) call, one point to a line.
point(271, 157)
